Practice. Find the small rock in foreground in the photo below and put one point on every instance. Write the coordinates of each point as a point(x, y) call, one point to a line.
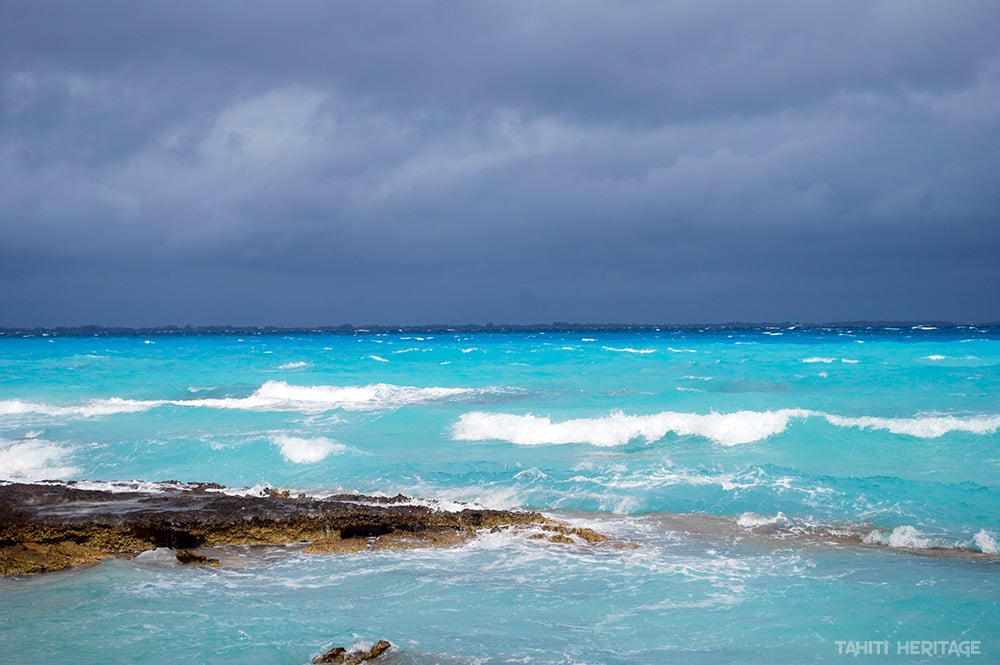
point(340, 655)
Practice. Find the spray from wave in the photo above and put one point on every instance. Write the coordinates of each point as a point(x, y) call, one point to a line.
point(33, 459)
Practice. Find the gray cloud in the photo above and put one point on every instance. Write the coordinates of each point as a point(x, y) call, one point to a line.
point(430, 162)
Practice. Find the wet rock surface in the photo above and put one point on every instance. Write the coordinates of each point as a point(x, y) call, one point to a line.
point(190, 557)
point(47, 527)
point(341, 655)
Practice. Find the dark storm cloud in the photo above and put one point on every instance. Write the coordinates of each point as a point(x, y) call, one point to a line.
point(417, 162)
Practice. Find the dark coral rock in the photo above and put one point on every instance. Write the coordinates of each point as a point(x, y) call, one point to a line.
point(194, 558)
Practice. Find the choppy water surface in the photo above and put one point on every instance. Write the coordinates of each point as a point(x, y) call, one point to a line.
point(792, 492)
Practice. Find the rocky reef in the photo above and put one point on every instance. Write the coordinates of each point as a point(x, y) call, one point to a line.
point(47, 527)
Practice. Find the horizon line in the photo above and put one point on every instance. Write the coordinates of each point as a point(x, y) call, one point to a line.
point(346, 328)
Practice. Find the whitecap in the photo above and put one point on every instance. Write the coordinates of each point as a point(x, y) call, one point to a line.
point(97, 407)
point(306, 451)
point(281, 396)
point(378, 358)
point(618, 429)
point(906, 536)
point(628, 349)
point(925, 427)
point(33, 459)
point(985, 542)
point(294, 365)
point(818, 359)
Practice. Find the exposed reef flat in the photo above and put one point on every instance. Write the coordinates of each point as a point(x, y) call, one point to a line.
point(48, 527)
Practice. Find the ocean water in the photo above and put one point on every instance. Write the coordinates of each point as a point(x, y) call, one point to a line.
point(789, 494)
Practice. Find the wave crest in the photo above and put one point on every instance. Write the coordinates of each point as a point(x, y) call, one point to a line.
point(618, 429)
point(924, 427)
point(271, 396)
point(306, 451)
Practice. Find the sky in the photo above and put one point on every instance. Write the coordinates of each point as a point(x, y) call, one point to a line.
point(318, 163)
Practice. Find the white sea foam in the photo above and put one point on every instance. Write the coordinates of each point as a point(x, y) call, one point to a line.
point(985, 542)
point(628, 349)
point(752, 520)
point(33, 459)
point(378, 358)
point(818, 359)
point(97, 407)
point(673, 350)
point(281, 396)
point(271, 396)
point(294, 365)
point(667, 475)
point(935, 356)
point(306, 451)
point(119, 486)
point(618, 428)
point(729, 429)
point(924, 427)
point(901, 537)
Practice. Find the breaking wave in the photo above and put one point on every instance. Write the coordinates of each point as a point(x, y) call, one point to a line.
point(306, 451)
point(618, 428)
point(728, 429)
point(924, 427)
point(271, 396)
point(33, 459)
point(97, 407)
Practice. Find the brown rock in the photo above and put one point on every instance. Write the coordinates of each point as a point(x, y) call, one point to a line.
point(194, 558)
point(340, 655)
point(334, 655)
point(55, 526)
point(336, 544)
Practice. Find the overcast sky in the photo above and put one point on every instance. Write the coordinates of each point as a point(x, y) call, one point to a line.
point(316, 163)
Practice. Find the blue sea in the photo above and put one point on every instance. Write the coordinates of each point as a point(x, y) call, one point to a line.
point(778, 494)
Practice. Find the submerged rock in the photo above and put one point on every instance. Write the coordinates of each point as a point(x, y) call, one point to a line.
point(48, 527)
